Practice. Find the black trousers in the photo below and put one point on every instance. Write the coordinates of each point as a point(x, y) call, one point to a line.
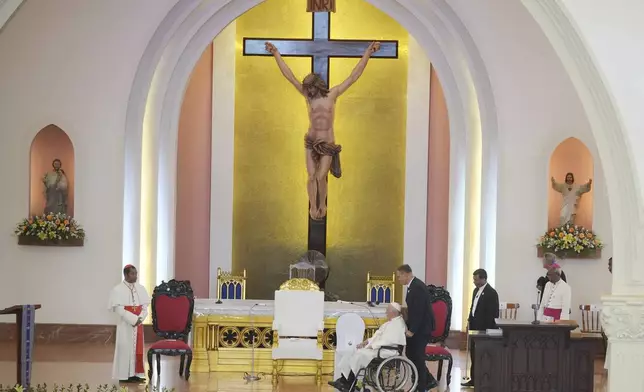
point(415, 351)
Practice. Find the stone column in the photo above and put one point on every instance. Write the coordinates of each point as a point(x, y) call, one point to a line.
point(623, 322)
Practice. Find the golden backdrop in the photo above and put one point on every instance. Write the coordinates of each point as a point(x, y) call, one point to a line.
point(366, 206)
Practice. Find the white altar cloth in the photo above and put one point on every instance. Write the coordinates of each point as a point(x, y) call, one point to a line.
point(206, 307)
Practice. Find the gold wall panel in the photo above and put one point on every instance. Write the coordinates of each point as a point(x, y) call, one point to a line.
point(366, 206)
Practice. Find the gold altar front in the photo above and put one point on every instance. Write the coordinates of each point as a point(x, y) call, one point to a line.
point(228, 343)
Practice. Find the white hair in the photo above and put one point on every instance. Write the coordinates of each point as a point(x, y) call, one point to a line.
point(396, 307)
point(551, 258)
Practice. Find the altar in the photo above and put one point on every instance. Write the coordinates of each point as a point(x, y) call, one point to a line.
point(227, 336)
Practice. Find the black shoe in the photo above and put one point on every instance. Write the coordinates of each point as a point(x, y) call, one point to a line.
point(469, 384)
point(340, 384)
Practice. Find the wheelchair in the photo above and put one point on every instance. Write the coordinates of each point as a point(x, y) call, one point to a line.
point(391, 374)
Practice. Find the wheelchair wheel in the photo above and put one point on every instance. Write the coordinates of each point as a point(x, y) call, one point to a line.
point(396, 374)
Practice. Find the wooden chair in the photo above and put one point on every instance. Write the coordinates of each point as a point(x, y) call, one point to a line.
point(437, 350)
point(590, 318)
point(508, 310)
point(381, 289)
point(172, 307)
point(230, 286)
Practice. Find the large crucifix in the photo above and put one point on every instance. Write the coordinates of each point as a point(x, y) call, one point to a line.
point(320, 49)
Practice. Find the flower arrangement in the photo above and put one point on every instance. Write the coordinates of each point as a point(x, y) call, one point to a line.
point(50, 228)
point(77, 388)
point(568, 239)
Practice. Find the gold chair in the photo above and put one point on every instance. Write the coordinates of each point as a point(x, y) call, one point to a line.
point(508, 310)
point(590, 318)
point(381, 289)
point(230, 286)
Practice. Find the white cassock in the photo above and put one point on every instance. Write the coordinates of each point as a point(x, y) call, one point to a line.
point(556, 297)
point(127, 300)
point(391, 333)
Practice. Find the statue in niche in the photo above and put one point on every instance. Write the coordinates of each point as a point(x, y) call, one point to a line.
point(571, 195)
point(56, 189)
point(322, 153)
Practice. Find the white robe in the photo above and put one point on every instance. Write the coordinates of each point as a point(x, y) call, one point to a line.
point(125, 294)
point(571, 195)
point(556, 297)
point(391, 333)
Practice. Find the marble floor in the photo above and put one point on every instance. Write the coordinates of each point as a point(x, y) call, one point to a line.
point(91, 364)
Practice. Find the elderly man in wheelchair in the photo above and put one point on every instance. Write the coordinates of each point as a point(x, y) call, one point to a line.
point(378, 361)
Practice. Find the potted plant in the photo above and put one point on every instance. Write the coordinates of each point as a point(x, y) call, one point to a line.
point(570, 241)
point(50, 230)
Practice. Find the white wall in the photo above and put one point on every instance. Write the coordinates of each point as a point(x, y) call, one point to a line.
point(58, 67)
point(71, 63)
point(620, 60)
point(537, 109)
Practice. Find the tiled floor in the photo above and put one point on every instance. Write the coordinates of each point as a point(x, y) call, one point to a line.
point(91, 364)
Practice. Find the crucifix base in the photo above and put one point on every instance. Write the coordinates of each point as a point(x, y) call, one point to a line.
point(317, 235)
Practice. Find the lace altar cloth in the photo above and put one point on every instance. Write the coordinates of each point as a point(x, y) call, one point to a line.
point(206, 307)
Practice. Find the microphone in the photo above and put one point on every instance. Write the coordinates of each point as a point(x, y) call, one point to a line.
point(375, 320)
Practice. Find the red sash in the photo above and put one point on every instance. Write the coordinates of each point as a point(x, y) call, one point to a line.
point(138, 363)
point(554, 313)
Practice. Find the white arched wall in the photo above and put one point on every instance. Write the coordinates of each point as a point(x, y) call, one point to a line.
point(622, 311)
point(154, 106)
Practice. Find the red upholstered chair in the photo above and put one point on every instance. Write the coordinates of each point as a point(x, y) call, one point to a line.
point(172, 307)
point(436, 350)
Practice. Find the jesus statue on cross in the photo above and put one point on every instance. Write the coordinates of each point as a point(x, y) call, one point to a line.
point(322, 154)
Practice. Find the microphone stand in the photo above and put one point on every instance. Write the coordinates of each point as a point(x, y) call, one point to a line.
point(467, 377)
point(535, 308)
point(252, 376)
point(373, 317)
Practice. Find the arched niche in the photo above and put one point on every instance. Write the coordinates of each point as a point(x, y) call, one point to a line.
point(571, 156)
point(49, 144)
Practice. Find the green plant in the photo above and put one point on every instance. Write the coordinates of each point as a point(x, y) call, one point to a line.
point(50, 227)
point(569, 238)
point(77, 388)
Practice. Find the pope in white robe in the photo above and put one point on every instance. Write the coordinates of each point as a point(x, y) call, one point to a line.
point(129, 300)
point(391, 333)
point(555, 303)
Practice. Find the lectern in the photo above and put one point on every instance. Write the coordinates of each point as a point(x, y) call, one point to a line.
point(537, 358)
point(25, 326)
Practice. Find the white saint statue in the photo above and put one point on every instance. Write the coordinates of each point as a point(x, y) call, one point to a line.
point(55, 189)
point(129, 300)
point(571, 195)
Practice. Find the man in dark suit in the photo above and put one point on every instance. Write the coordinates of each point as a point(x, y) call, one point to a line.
point(420, 324)
point(483, 312)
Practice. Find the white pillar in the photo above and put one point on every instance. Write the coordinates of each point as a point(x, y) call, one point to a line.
point(416, 159)
point(223, 154)
point(623, 322)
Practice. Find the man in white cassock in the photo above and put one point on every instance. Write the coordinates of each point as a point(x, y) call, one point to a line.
point(129, 300)
point(555, 304)
point(391, 333)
